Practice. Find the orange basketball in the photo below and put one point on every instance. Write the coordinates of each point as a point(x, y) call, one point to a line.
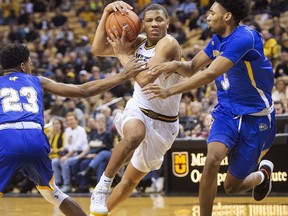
point(119, 20)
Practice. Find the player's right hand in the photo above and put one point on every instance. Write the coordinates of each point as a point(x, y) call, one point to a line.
point(118, 6)
point(134, 66)
point(167, 68)
point(119, 44)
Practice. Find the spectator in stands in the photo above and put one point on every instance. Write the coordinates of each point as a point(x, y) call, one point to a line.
point(260, 6)
point(186, 121)
point(107, 111)
point(210, 102)
point(58, 108)
point(279, 107)
point(271, 47)
point(282, 67)
point(75, 147)
point(56, 137)
point(14, 35)
point(250, 21)
point(40, 5)
point(177, 30)
point(42, 22)
point(59, 19)
point(281, 91)
point(100, 144)
point(86, 15)
point(66, 33)
point(65, 5)
point(277, 29)
point(70, 105)
point(202, 129)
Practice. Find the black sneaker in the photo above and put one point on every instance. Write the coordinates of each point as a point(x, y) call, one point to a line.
point(262, 190)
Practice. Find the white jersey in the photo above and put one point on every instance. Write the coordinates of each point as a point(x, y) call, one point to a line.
point(168, 106)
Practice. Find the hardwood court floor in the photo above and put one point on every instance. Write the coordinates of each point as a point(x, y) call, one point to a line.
point(153, 205)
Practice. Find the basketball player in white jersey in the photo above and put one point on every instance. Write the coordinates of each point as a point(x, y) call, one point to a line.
point(148, 127)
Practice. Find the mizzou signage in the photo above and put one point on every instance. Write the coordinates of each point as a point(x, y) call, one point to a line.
point(184, 163)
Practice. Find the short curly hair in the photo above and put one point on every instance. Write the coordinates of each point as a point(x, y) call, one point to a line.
point(239, 8)
point(13, 55)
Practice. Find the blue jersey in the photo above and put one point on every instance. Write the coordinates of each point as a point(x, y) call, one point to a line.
point(23, 149)
point(21, 99)
point(245, 88)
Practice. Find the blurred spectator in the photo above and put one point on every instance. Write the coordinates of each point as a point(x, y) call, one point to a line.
point(84, 45)
point(65, 5)
point(40, 5)
point(84, 76)
point(176, 30)
point(58, 108)
point(260, 6)
point(280, 92)
point(277, 29)
point(75, 147)
point(201, 130)
point(186, 121)
point(279, 107)
point(282, 66)
point(109, 118)
point(96, 74)
point(42, 22)
point(100, 145)
point(56, 137)
point(70, 104)
point(249, 21)
point(172, 6)
point(59, 19)
point(271, 47)
point(14, 35)
point(86, 15)
point(70, 77)
point(65, 33)
point(211, 101)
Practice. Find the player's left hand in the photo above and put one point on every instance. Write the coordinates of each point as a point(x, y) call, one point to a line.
point(119, 44)
point(154, 90)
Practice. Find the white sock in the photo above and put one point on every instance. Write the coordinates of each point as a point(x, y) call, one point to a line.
point(105, 181)
point(262, 176)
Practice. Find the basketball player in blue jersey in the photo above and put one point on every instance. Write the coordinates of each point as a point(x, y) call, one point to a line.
point(23, 145)
point(244, 119)
point(148, 128)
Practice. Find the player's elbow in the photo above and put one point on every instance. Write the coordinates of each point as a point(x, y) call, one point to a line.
point(211, 75)
point(97, 50)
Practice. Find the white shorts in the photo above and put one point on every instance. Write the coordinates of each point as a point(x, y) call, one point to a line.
point(158, 140)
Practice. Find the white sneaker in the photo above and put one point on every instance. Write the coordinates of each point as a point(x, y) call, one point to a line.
point(98, 201)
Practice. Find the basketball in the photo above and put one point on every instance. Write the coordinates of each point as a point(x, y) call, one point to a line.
point(119, 20)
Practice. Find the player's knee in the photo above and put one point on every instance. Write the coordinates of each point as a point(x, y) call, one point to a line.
point(230, 189)
point(212, 162)
point(128, 184)
point(133, 141)
point(53, 196)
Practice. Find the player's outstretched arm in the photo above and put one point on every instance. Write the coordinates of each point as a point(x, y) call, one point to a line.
point(218, 67)
point(100, 46)
point(92, 88)
point(186, 69)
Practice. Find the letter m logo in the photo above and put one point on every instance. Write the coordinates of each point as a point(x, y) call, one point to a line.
point(180, 163)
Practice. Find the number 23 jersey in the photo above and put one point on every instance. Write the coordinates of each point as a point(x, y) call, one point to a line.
point(21, 99)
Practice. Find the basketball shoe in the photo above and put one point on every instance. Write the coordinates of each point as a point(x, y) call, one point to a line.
point(262, 190)
point(98, 205)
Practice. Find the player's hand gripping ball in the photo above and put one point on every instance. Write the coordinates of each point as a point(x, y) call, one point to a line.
point(129, 19)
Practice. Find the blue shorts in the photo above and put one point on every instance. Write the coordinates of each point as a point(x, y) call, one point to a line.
point(247, 137)
point(25, 150)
